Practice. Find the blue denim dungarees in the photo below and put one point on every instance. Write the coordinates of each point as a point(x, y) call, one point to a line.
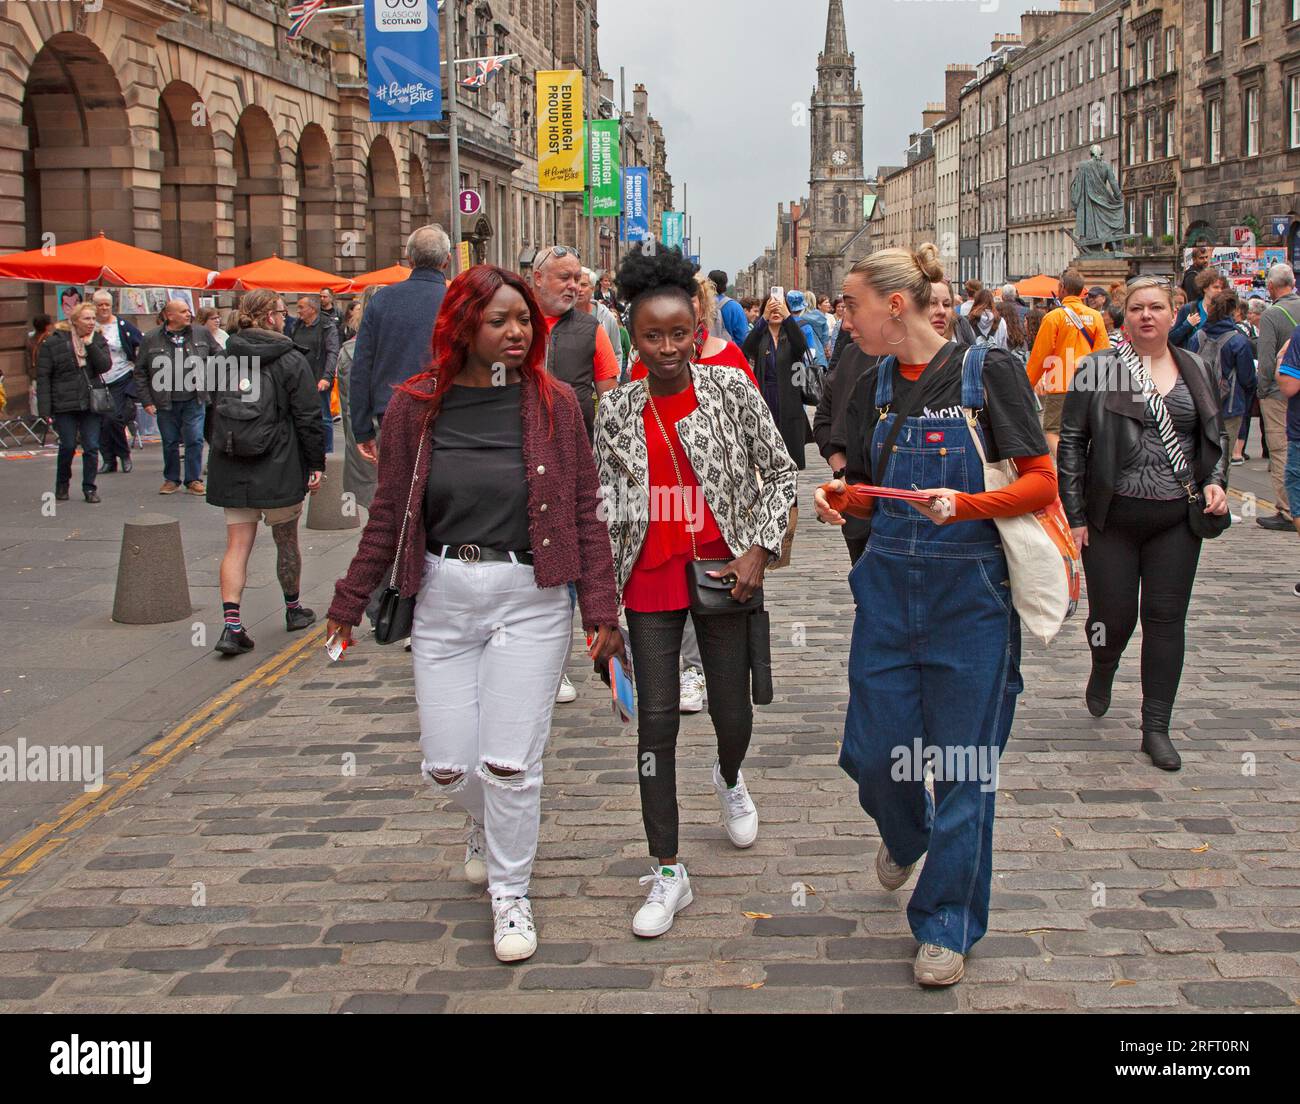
point(934, 667)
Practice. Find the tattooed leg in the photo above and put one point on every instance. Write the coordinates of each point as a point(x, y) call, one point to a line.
point(288, 556)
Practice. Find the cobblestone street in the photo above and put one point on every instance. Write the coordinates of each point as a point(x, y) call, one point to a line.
point(282, 853)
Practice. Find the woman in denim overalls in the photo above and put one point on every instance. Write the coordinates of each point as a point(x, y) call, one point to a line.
point(934, 664)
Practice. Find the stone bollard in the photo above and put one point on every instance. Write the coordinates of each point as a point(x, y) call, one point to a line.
point(152, 584)
point(329, 508)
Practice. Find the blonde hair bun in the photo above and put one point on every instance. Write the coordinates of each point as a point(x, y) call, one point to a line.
point(927, 260)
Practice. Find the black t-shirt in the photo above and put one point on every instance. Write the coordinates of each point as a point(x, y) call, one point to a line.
point(1009, 419)
point(477, 491)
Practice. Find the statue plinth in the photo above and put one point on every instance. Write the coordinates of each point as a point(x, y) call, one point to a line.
point(1104, 269)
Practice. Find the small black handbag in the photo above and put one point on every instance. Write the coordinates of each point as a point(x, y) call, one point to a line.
point(396, 614)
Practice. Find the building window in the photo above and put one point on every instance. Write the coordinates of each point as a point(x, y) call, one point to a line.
point(1114, 48)
point(1101, 56)
point(1132, 216)
point(1078, 126)
point(1131, 156)
point(1250, 18)
point(1148, 57)
point(1214, 132)
point(1169, 132)
point(1051, 80)
point(1293, 108)
point(1171, 217)
point(1213, 26)
point(1251, 122)
point(1132, 66)
point(1114, 113)
point(1078, 66)
point(1150, 227)
point(1171, 50)
point(1092, 60)
point(1150, 147)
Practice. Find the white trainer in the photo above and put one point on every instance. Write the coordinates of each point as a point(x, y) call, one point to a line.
point(567, 692)
point(670, 892)
point(739, 816)
point(514, 935)
point(692, 691)
point(476, 855)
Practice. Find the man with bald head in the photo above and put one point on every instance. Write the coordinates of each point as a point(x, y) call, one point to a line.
point(171, 378)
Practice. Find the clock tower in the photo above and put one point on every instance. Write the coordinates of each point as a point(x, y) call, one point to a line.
point(837, 183)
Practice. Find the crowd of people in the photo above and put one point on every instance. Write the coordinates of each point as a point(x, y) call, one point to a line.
point(625, 446)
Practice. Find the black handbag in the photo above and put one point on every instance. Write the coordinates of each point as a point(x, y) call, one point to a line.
point(396, 614)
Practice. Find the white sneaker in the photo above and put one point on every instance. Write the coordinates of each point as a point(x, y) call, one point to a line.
point(670, 892)
point(476, 855)
point(692, 691)
point(566, 692)
point(739, 816)
point(514, 935)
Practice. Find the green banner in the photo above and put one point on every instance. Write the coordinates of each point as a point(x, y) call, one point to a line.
point(604, 195)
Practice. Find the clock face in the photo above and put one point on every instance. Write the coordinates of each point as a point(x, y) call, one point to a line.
point(839, 158)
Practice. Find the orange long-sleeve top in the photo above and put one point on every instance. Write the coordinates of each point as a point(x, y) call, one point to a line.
point(1033, 490)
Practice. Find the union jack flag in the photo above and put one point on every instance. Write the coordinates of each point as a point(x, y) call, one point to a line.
point(302, 14)
point(486, 68)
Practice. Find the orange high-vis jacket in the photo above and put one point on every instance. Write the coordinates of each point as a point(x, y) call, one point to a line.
point(1059, 346)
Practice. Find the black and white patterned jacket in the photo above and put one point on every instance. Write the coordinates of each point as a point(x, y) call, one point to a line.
point(732, 444)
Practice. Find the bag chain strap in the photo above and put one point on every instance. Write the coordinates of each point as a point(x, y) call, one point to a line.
point(672, 455)
point(410, 497)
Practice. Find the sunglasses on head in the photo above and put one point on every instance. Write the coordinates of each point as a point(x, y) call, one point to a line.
point(559, 251)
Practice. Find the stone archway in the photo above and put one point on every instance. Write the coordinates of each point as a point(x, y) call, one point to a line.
point(76, 118)
point(258, 203)
point(188, 199)
point(316, 200)
point(419, 194)
point(383, 206)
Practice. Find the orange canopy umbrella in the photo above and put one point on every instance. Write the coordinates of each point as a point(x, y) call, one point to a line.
point(276, 274)
point(381, 277)
point(1038, 287)
point(102, 260)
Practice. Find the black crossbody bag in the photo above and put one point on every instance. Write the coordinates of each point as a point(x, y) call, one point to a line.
point(396, 614)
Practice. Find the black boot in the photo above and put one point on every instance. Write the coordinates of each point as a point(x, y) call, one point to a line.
point(92, 495)
point(61, 492)
point(1097, 695)
point(1155, 735)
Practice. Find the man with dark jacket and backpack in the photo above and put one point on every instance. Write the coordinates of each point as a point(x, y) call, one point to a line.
point(1226, 350)
point(268, 452)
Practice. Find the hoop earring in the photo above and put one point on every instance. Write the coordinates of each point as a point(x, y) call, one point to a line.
point(894, 318)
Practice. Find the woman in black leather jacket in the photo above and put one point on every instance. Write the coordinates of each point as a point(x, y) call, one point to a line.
point(1129, 513)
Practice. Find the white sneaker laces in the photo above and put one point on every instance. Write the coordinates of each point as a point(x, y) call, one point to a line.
point(517, 915)
point(659, 890)
point(737, 799)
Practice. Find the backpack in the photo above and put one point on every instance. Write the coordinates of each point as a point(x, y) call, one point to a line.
point(245, 418)
point(1210, 349)
point(816, 350)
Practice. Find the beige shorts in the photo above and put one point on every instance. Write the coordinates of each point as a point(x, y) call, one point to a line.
point(1053, 405)
point(248, 515)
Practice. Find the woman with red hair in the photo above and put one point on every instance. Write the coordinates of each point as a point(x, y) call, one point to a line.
point(488, 502)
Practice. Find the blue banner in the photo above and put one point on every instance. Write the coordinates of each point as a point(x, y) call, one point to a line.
point(402, 60)
point(674, 229)
point(636, 205)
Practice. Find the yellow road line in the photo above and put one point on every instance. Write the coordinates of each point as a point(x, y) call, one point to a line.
point(22, 855)
point(1258, 501)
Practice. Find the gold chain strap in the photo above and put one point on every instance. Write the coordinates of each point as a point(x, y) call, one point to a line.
point(672, 455)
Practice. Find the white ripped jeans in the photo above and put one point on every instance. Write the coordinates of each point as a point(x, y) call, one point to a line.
point(489, 648)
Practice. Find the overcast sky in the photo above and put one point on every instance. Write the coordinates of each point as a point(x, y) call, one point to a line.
point(723, 76)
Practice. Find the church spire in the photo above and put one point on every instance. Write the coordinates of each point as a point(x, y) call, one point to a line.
point(837, 39)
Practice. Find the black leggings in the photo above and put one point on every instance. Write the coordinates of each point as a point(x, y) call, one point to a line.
point(1147, 546)
point(656, 640)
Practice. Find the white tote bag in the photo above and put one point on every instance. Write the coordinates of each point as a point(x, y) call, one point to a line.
point(1041, 558)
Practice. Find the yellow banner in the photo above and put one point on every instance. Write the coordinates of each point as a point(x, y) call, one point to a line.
point(464, 256)
point(561, 151)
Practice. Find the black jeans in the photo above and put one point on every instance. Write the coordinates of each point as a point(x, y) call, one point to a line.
point(656, 640)
point(1143, 564)
point(68, 426)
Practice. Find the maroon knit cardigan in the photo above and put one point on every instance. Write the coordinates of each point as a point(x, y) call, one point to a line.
point(570, 542)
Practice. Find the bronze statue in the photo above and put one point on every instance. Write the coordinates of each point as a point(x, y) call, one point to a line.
point(1098, 205)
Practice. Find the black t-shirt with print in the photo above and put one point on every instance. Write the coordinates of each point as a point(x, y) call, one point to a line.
point(1009, 419)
